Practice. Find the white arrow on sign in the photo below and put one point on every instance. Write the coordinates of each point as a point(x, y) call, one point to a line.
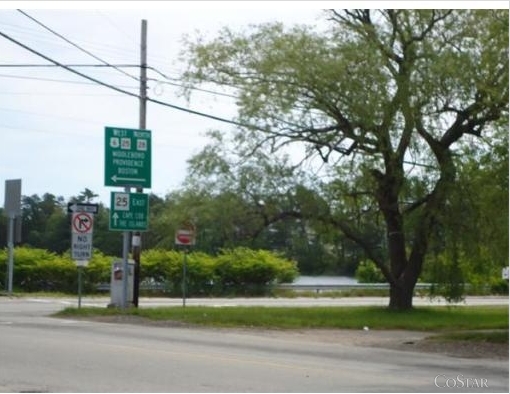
point(79, 207)
point(116, 179)
point(115, 217)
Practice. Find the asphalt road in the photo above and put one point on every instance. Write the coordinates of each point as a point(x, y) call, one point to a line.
point(43, 354)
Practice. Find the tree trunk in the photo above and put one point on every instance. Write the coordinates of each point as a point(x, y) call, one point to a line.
point(401, 296)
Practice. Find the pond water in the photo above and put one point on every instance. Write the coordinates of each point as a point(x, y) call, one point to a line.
point(324, 280)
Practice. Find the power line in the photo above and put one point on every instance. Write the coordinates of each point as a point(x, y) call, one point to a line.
point(99, 82)
point(26, 65)
point(75, 45)
point(69, 65)
point(173, 82)
point(115, 26)
point(103, 47)
point(198, 89)
point(54, 80)
point(44, 79)
point(67, 94)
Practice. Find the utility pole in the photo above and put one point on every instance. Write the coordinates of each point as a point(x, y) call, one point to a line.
point(137, 237)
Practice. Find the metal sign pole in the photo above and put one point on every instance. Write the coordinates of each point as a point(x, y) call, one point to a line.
point(125, 266)
point(184, 279)
point(80, 269)
point(12, 209)
point(137, 246)
point(10, 244)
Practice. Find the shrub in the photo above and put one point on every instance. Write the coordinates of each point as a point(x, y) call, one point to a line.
point(251, 271)
point(40, 270)
point(239, 270)
point(367, 272)
point(97, 271)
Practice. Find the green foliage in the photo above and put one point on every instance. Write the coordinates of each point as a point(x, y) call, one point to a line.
point(163, 266)
point(446, 277)
point(98, 270)
point(38, 270)
point(41, 270)
point(246, 270)
point(367, 272)
point(239, 270)
point(159, 265)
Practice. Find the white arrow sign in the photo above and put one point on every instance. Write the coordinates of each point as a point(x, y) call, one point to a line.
point(115, 217)
point(116, 179)
point(82, 207)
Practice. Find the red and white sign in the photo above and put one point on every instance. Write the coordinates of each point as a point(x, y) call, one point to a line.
point(82, 223)
point(185, 237)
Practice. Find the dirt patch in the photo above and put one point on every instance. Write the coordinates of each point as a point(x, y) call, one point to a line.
point(464, 349)
point(416, 341)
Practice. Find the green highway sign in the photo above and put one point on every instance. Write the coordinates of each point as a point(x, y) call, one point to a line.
point(127, 157)
point(129, 211)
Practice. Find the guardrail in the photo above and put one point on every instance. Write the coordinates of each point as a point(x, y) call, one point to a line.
point(292, 286)
point(338, 287)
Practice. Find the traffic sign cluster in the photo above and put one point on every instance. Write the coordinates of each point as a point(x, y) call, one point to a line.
point(128, 164)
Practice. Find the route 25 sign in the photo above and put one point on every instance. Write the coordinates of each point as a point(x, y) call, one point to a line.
point(129, 211)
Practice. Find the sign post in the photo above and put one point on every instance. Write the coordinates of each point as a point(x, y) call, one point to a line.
point(185, 236)
point(80, 280)
point(82, 224)
point(12, 209)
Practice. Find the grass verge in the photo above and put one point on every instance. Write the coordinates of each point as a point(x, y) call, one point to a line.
point(420, 319)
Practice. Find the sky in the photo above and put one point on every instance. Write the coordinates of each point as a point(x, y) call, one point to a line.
point(52, 122)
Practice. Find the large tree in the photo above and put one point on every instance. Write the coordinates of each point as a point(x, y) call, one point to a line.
point(388, 97)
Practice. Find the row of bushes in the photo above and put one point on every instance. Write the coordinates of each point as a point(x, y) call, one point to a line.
point(232, 271)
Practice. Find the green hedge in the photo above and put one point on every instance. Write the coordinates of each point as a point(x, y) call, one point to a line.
point(247, 271)
point(233, 271)
point(367, 272)
point(41, 270)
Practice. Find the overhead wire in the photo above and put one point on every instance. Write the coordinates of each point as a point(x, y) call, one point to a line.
point(197, 89)
point(56, 80)
point(44, 79)
point(117, 89)
point(76, 45)
point(68, 65)
point(29, 65)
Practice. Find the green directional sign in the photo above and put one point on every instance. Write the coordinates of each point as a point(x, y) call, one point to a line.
point(129, 211)
point(127, 157)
